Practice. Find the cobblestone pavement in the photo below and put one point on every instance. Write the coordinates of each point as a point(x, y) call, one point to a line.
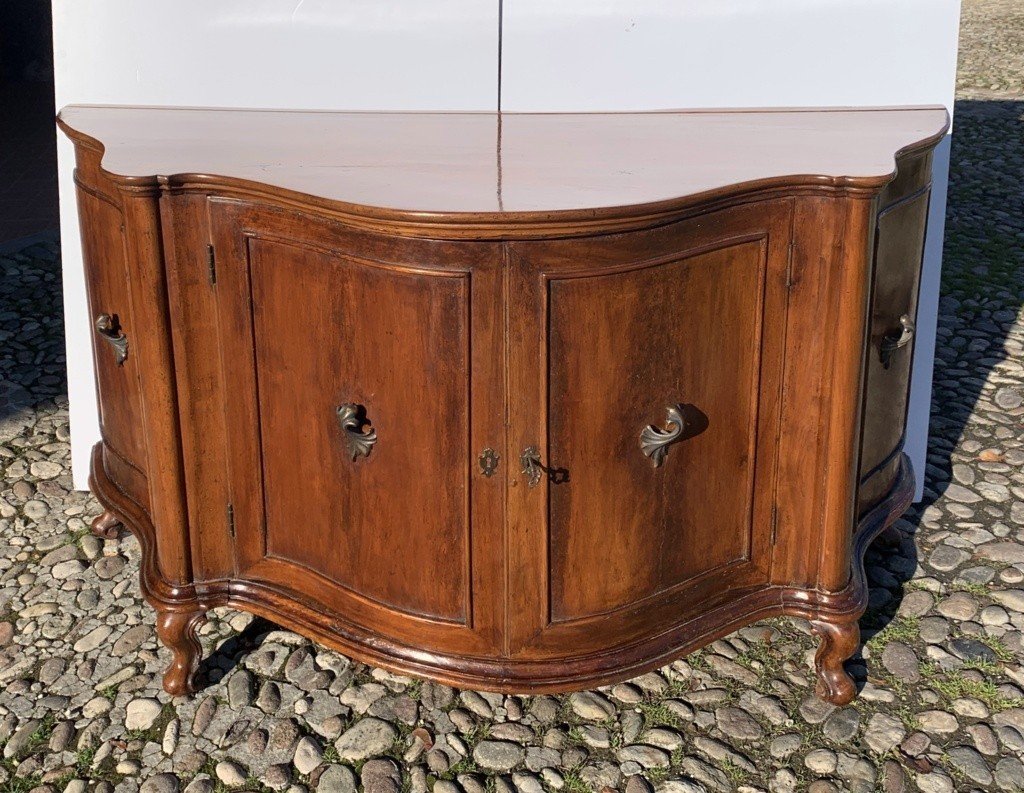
point(942, 707)
point(991, 49)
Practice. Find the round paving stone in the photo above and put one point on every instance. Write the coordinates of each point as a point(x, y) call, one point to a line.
point(68, 569)
point(842, 725)
point(938, 722)
point(883, 732)
point(1013, 599)
point(45, 469)
point(368, 737)
point(336, 779)
point(308, 755)
point(916, 603)
point(142, 713)
point(201, 784)
point(934, 783)
point(821, 761)
point(1009, 774)
point(972, 649)
point(958, 606)
point(971, 764)
point(93, 639)
point(644, 756)
point(591, 706)
point(498, 755)
point(230, 773)
point(901, 662)
point(946, 558)
point(380, 776)
point(161, 783)
point(738, 724)
point(961, 494)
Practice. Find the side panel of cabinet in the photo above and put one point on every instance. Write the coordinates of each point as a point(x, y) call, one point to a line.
point(898, 255)
point(405, 539)
point(607, 334)
point(117, 373)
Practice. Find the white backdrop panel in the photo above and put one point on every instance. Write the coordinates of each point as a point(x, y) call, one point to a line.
point(655, 54)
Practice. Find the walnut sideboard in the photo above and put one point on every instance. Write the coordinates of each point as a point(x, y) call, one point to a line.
point(529, 402)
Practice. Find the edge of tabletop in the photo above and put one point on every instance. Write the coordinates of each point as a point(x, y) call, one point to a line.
point(530, 224)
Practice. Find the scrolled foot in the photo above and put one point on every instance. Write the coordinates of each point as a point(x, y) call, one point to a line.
point(177, 628)
point(838, 641)
point(105, 525)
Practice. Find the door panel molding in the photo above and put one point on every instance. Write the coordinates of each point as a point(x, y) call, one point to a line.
point(426, 329)
point(538, 270)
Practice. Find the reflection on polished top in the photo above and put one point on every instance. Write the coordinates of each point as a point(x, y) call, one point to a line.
point(512, 163)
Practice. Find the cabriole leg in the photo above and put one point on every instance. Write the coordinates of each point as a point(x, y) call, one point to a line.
point(838, 641)
point(105, 525)
point(176, 628)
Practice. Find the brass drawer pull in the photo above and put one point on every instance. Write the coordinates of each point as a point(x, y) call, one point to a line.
point(893, 341)
point(352, 417)
point(654, 442)
point(109, 329)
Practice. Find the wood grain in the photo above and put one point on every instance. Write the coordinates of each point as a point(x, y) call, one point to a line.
point(464, 175)
point(616, 332)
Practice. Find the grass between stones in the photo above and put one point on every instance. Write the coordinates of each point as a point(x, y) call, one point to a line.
point(657, 714)
point(970, 587)
point(899, 629)
point(952, 684)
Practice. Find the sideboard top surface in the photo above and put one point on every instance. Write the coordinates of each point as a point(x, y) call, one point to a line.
point(515, 164)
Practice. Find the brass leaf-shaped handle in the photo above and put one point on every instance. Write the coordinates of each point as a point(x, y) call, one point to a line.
point(893, 341)
point(352, 417)
point(109, 329)
point(654, 442)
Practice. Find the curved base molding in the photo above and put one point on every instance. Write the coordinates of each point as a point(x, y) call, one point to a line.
point(181, 610)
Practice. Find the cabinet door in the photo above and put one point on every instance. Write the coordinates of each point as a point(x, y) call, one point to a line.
point(356, 371)
point(607, 334)
point(899, 250)
point(115, 355)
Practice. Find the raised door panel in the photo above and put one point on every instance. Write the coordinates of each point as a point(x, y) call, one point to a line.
point(115, 356)
point(623, 347)
point(331, 330)
point(313, 320)
point(688, 316)
point(899, 250)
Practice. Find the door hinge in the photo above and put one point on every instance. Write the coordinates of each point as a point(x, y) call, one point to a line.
point(211, 263)
point(231, 519)
point(775, 523)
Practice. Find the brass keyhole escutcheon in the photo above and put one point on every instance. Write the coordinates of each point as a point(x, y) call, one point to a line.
point(488, 460)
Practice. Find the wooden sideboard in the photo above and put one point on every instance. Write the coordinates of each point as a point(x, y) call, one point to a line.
point(522, 403)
